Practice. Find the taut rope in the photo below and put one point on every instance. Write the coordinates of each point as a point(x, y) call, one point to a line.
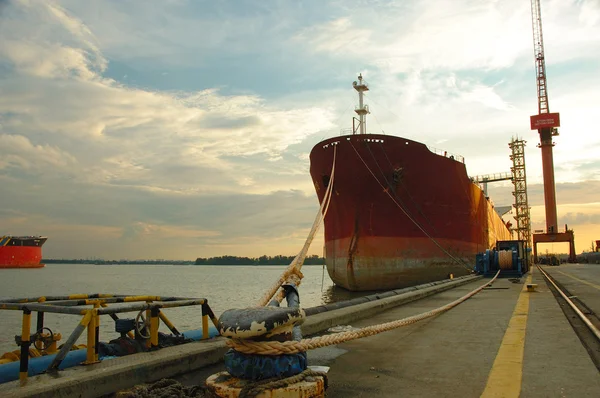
point(292, 347)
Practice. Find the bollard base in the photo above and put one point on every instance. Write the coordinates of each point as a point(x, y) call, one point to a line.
point(223, 385)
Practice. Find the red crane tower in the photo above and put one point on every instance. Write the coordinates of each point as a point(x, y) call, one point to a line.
point(546, 124)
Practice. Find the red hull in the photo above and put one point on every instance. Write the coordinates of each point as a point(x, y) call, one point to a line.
point(373, 243)
point(21, 252)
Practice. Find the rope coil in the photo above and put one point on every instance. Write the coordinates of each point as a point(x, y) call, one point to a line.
point(505, 259)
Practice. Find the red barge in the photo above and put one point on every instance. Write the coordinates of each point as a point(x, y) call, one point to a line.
point(400, 214)
point(21, 251)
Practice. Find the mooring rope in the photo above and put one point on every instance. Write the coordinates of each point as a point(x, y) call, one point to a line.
point(293, 270)
point(292, 347)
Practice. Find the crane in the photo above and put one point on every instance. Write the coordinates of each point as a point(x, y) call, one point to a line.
point(546, 124)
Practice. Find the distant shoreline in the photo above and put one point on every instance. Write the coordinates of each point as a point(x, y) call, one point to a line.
point(223, 260)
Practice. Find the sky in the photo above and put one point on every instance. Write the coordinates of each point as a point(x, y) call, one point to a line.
point(181, 129)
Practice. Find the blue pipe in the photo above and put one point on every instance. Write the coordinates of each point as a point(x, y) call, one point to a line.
point(38, 365)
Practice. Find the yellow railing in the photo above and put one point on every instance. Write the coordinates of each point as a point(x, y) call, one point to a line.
point(97, 305)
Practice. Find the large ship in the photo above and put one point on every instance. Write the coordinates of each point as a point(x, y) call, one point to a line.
point(21, 251)
point(400, 214)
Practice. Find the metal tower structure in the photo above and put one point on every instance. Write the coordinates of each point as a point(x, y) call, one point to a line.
point(362, 110)
point(546, 124)
point(521, 205)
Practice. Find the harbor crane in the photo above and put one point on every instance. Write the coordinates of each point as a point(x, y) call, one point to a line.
point(546, 123)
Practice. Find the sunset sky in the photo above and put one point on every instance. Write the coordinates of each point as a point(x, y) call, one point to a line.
point(181, 129)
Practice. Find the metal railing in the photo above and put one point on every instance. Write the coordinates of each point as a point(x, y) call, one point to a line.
point(446, 154)
point(90, 308)
point(492, 177)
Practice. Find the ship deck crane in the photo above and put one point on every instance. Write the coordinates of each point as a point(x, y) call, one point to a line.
point(546, 124)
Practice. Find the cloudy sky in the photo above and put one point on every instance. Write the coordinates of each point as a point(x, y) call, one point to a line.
point(177, 129)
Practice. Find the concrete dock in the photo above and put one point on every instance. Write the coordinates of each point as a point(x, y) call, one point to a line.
point(504, 342)
point(488, 346)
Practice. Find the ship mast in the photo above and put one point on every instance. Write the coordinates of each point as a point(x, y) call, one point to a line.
point(362, 109)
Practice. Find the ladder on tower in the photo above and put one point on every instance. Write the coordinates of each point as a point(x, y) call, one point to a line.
point(521, 205)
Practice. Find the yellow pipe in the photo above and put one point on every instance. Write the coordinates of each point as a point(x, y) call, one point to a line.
point(87, 318)
point(97, 332)
point(149, 341)
point(91, 339)
point(154, 328)
point(141, 298)
point(167, 322)
point(204, 327)
point(25, 333)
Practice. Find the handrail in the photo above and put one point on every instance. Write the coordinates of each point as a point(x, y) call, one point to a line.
point(90, 307)
point(446, 154)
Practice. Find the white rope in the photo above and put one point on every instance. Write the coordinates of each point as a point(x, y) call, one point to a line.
point(293, 270)
point(292, 347)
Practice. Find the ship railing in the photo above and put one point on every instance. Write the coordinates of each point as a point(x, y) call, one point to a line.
point(446, 154)
point(90, 308)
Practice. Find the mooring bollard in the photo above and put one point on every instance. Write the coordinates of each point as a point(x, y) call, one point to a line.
point(283, 375)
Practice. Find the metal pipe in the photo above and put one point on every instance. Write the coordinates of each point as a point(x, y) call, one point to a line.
point(154, 324)
point(293, 300)
point(85, 321)
point(147, 321)
point(204, 322)
point(91, 340)
point(40, 321)
point(42, 299)
point(585, 320)
point(182, 303)
point(167, 322)
point(96, 333)
point(144, 306)
point(25, 343)
point(41, 307)
point(211, 315)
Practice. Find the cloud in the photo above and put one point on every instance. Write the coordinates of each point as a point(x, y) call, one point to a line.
point(203, 148)
point(580, 218)
point(17, 152)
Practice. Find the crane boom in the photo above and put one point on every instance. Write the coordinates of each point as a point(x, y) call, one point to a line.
point(538, 52)
point(544, 119)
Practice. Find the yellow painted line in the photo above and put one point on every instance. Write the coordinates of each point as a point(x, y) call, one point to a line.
point(506, 375)
point(580, 280)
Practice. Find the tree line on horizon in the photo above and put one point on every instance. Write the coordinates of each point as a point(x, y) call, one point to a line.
point(262, 260)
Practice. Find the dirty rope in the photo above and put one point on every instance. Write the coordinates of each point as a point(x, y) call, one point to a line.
point(254, 389)
point(165, 388)
point(292, 347)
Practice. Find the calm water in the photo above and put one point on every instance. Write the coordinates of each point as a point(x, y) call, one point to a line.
point(224, 287)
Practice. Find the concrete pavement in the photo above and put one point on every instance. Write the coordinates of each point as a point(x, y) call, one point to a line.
point(452, 355)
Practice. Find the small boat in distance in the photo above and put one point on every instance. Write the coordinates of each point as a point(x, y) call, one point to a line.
point(21, 251)
point(400, 214)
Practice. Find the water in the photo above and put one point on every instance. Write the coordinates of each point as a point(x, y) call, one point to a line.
point(224, 286)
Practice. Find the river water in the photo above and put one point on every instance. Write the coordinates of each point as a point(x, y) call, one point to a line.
point(224, 286)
